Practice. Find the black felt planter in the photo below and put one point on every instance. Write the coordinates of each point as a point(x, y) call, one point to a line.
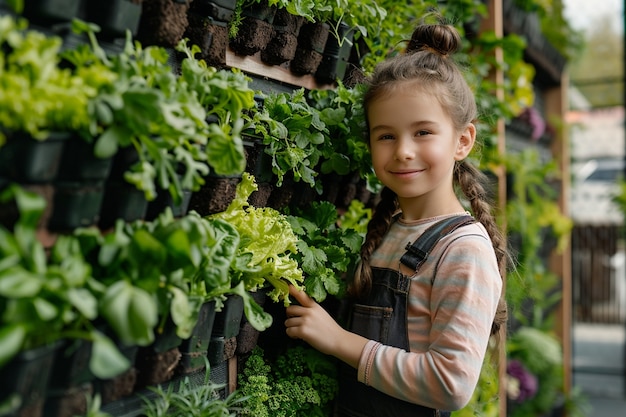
point(76, 204)
point(32, 161)
point(26, 376)
point(79, 163)
point(220, 10)
point(162, 23)
point(121, 199)
point(195, 349)
point(211, 36)
point(114, 16)
point(51, 11)
point(252, 37)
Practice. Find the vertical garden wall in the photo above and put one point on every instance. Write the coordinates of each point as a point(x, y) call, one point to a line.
point(167, 167)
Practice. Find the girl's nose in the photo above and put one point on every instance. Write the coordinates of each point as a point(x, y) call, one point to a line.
point(405, 149)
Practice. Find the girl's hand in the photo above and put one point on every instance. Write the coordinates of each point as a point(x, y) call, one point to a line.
point(311, 323)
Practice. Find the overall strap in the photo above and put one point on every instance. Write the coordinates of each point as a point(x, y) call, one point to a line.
point(417, 252)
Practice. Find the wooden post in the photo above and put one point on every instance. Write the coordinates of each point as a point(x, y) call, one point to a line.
point(494, 23)
point(561, 263)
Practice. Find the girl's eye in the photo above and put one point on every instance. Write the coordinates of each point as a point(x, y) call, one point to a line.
point(422, 133)
point(385, 137)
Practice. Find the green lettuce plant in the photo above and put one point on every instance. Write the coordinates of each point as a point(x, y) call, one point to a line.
point(37, 95)
point(266, 247)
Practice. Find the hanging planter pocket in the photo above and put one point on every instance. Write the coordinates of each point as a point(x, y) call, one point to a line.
point(51, 11)
point(220, 10)
point(114, 17)
point(255, 30)
point(336, 55)
point(211, 36)
point(31, 161)
point(195, 349)
point(157, 363)
point(76, 204)
point(311, 42)
point(122, 200)
point(26, 377)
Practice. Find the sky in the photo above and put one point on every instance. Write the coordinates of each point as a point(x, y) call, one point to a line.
point(582, 13)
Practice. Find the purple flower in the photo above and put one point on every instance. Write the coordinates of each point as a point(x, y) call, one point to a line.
point(538, 126)
point(522, 384)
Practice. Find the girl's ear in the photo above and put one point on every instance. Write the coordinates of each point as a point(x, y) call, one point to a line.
point(466, 142)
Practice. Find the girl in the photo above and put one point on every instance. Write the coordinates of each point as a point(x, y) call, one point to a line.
point(417, 335)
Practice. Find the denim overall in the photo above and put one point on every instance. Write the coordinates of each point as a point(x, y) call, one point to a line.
point(382, 316)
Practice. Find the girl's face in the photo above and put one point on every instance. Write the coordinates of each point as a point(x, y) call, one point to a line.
point(414, 146)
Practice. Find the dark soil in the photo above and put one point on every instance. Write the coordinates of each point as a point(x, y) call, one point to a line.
point(281, 197)
point(313, 36)
point(305, 62)
point(214, 196)
point(230, 347)
point(155, 367)
point(211, 38)
point(163, 22)
point(260, 197)
point(253, 36)
point(287, 22)
point(68, 403)
point(119, 387)
point(303, 196)
point(280, 49)
point(246, 339)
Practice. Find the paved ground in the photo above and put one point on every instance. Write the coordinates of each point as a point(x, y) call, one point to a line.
point(598, 362)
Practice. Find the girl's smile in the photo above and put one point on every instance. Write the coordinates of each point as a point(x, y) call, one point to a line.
point(414, 147)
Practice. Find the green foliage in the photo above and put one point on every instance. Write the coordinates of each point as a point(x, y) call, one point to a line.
point(300, 381)
point(541, 353)
point(191, 400)
point(533, 216)
point(325, 251)
point(266, 246)
point(294, 134)
point(45, 299)
point(36, 94)
point(346, 149)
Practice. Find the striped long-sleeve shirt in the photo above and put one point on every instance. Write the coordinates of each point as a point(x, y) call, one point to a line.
point(451, 306)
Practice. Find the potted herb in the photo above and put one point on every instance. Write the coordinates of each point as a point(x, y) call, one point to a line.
point(295, 381)
point(45, 300)
point(294, 134)
point(147, 107)
point(188, 399)
point(41, 104)
point(264, 255)
point(326, 252)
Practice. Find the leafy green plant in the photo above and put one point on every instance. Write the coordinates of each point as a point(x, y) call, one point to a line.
point(168, 268)
point(299, 381)
point(294, 134)
point(37, 95)
point(346, 149)
point(541, 353)
point(143, 104)
point(325, 251)
point(225, 95)
point(46, 299)
point(266, 247)
point(191, 400)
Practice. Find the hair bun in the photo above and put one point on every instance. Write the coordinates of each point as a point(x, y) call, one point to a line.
point(437, 38)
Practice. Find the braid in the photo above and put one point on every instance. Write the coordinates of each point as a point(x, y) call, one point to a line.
point(376, 229)
point(471, 181)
